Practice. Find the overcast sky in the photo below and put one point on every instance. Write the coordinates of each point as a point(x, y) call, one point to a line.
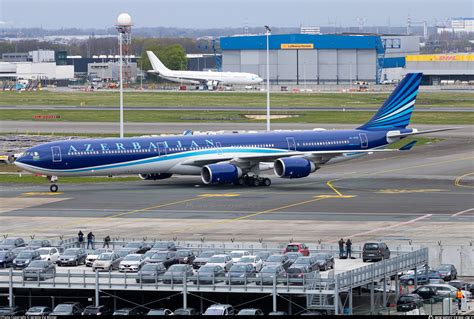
point(52, 14)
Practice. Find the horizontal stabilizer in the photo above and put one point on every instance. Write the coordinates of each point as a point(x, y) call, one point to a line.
point(416, 132)
point(408, 146)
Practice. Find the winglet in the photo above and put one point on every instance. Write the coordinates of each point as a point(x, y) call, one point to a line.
point(408, 146)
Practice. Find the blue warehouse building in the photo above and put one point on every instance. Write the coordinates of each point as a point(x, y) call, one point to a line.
point(318, 58)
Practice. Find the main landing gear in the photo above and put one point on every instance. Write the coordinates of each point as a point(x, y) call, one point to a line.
point(253, 181)
point(53, 188)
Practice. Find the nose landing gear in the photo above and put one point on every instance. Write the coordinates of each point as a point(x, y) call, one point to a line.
point(53, 188)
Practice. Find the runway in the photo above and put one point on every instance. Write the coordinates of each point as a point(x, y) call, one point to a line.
point(49, 127)
point(407, 195)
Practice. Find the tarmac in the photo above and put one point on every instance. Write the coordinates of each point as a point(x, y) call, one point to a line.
point(422, 196)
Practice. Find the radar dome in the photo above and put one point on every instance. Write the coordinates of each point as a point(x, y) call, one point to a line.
point(124, 19)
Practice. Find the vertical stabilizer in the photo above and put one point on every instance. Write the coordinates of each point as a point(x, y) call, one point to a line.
point(396, 111)
point(157, 65)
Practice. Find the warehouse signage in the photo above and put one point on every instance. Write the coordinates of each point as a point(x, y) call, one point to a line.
point(297, 46)
point(440, 57)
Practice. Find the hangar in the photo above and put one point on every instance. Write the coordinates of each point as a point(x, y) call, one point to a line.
point(318, 58)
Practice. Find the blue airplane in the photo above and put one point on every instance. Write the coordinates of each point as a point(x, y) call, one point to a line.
point(229, 158)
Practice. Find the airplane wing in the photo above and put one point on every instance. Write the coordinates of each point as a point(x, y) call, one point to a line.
point(274, 156)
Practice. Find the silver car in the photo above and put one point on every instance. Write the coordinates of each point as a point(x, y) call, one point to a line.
point(132, 263)
point(93, 255)
point(107, 261)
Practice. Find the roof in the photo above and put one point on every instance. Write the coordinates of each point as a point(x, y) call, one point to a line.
point(315, 41)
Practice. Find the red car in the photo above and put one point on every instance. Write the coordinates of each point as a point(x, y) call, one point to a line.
point(297, 247)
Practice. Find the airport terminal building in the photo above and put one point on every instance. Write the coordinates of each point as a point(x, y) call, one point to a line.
point(319, 58)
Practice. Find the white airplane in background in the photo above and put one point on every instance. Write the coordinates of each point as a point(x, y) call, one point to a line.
point(210, 78)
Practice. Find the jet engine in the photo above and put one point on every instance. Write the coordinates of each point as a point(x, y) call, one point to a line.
point(220, 174)
point(293, 167)
point(154, 176)
point(212, 85)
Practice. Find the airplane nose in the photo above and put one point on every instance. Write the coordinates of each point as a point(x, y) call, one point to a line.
point(259, 79)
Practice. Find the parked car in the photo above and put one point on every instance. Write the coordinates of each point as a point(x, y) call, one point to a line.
point(219, 310)
point(308, 261)
point(148, 254)
point(269, 272)
point(38, 243)
point(67, 309)
point(24, 258)
point(409, 302)
point(428, 293)
point(297, 247)
point(225, 261)
point(185, 256)
point(49, 253)
point(446, 290)
point(149, 273)
point(124, 252)
point(93, 255)
point(203, 258)
point(11, 311)
point(237, 254)
point(72, 256)
point(459, 284)
point(278, 313)
point(160, 312)
point(375, 251)
point(299, 275)
point(177, 272)
point(324, 261)
point(263, 255)
point(168, 258)
point(39, 269)
point(129, 312)
point(139, 247)
point(38, 311)
point(250, 312)
point(282, 260)
point(422, 277)
point(17, 250)
point(164, 245)
point(107, 261)
point(131, 263)
point(240, 274)
point(12, 243)
point(292, 256)
point(186, 312)
point(255, 261)
point(447, 271)
point(209, 274)
point(6, 258)
point(96, 311)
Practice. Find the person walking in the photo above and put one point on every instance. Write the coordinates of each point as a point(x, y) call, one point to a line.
point(90, 240)
point(80, 236)
point(459, 297)
point(106, 241)
point(341, 248)
point(349, 248)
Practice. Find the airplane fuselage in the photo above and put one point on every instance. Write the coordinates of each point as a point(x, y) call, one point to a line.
point(176, 154)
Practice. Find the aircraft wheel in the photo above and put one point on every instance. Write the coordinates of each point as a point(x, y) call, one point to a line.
point(240, 181)
point(256, 182)
point(53, 188)
point(267, 182)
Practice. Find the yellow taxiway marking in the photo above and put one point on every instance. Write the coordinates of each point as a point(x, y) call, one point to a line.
point(329, 183)
point(335, 196)
point(409, 191)
point(41, 193)
point(219, 195)
point(154, 207)
point(457, 181)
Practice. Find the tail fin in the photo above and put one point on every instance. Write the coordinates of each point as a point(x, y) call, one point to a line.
point(157, 65)
point(396, 110)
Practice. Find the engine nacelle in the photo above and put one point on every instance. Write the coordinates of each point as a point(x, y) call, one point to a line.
point(154, 176)
point(220, 174)
point(293, 167)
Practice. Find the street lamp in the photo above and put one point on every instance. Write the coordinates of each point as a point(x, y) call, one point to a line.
point(267, 33)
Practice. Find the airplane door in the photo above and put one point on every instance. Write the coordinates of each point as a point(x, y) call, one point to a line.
point(291, 143)
point(56, 152)
point(364, 142)
point(161, 148)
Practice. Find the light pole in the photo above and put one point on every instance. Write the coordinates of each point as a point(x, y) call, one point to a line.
point(124, 26)
point(267, 33)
